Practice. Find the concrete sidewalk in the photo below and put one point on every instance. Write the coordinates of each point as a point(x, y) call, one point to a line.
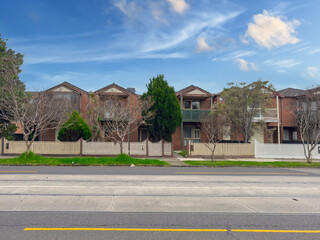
point(249, 159)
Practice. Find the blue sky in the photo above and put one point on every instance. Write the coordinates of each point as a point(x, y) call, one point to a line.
point(208, 43)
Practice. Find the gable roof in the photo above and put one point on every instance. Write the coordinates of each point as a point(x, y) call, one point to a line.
point(291, 92)
point(69, 86)
point(116, 86)
point(191, 88)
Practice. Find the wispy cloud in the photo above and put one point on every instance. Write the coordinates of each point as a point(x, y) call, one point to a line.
point(146, 38)
point(282, 64)
point(234, 55)
point(246, 66)
point(129, 9)
point(313, 71)
point(160, 40)
point(270, 31)
point(314, 51)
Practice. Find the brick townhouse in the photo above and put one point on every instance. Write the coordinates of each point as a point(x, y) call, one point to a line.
point(77, 100)
point(194, 102)
point(128, 98)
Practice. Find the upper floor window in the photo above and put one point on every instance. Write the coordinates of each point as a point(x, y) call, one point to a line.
point(191, 104)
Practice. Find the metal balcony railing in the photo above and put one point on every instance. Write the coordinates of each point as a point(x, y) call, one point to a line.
point(193, 115)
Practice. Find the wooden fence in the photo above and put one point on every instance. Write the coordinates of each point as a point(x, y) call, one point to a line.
point(146, 148)
point(222, 150)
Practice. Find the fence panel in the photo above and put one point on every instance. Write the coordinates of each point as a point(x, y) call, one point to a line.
point(14, 147)
point(224, 149)
point(138, 148)
point(1, 139)
point(155, 149)
point(269, 150)
point(56, 148)
point(100, 148)
point(51, 148)
point(167, 149)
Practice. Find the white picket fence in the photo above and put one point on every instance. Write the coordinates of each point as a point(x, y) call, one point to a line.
point(145, 148)
point(288, 151)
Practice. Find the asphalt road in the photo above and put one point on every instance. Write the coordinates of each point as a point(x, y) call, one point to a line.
point(88, 225)
point(241, 171)
point(159, 203)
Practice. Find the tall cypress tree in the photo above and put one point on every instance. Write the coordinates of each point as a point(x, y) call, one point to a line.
point(166, 109)
point(10, 63)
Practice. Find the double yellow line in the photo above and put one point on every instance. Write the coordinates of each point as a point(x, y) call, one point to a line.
point(173, 230)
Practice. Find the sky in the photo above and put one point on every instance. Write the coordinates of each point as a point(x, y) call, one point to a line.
point(207, 43)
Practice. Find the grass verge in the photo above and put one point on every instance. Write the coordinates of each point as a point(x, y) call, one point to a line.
point(122, 159)
point(183, 153)
point(253, 164)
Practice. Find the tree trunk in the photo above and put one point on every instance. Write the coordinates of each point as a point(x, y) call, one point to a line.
point(121, 147)
point(212, 153)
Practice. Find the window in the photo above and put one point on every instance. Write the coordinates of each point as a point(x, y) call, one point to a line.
point(294, 136)
point(191, 104)
point(187, 104)
point(195, 105)
point(191, 133)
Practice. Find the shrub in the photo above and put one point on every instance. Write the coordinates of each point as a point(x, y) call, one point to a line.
point(74, 129)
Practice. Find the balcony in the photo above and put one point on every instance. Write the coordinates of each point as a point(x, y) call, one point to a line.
point(193, 115)
point(269, 116)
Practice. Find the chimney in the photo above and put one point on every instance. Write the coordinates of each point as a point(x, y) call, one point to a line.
point(133, 90)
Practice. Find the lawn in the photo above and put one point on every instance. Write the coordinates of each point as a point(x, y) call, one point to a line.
point(122, 160)
point(252, 164)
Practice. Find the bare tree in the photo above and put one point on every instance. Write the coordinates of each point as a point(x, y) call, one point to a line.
point(307, 116)
point(115, 118)
point(96, 112)
point(214, 126)
point(35, 112)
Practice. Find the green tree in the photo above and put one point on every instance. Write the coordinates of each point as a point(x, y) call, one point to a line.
point(243, 103)
point(10, 63)
point(74, 129)
point(165, 109)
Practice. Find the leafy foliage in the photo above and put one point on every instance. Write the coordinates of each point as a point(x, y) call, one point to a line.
point(10, 63)
point(166, 109)
point(74, 129)
point(243, 102)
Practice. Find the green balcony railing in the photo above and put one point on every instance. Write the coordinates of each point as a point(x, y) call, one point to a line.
point(193, 115)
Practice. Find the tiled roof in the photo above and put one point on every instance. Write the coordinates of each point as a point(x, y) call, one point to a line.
point(291, 92)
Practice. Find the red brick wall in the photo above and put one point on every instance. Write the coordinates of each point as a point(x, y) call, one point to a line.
point(176, 139)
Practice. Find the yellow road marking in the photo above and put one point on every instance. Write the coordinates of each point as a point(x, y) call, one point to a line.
point(173, 230)
point(242, 173)
point(127, 229)
point(275, 231)
point(18, 171)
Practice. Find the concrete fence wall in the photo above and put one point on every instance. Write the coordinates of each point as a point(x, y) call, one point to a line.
point(223, 149)
point(269, 150)
point(50, 148)
point(88, 148)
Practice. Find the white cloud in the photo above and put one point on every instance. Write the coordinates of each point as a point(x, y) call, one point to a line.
point(246, 66)
point(129, 9)
point(312, 71)
point(202, 45)
point(271, 31)
point(179, 6)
